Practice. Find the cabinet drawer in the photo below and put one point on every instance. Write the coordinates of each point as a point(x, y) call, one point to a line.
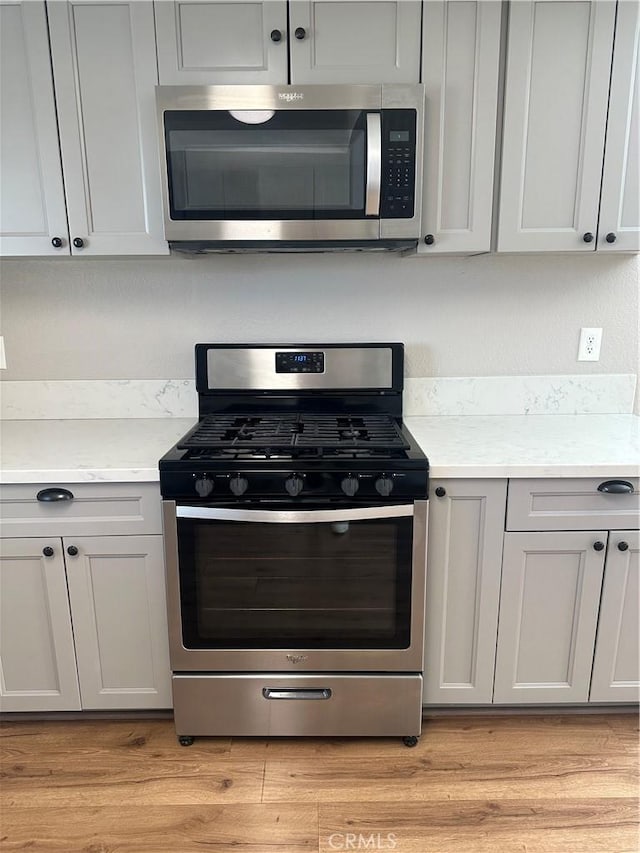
point(572, 505)
point(96, 509)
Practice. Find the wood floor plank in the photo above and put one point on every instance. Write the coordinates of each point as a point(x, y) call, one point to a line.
point(86, 737)
point(459, 737)
point(483, 826)
point(286, 828)
point(408, 778)
point(104, 780)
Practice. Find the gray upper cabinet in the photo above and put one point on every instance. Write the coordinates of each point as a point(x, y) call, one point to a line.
point(619, 227)
point(460, 61)
point(32, 206)
point(549, 604)
point(616, 665)
point(221, 41)
point(327, 41)
point(466, 522)
point(104, 68)
point(37, 657)
point(555, 113)
point(356, 41)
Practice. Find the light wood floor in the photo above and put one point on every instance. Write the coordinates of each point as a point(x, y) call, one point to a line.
point(507, 784)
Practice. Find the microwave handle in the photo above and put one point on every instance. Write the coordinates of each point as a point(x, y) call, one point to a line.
point(374, 164)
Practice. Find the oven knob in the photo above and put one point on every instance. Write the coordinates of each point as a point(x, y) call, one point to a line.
point(293, 485)
point(238, 485)
point(350, 485)
point(384, 485)
point(204, 486)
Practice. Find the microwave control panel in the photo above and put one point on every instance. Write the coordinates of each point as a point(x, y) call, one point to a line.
point(398, 164)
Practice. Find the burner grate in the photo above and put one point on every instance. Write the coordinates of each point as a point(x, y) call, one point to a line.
point(296, 435)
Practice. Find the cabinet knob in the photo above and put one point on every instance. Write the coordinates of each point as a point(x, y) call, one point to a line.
point(300, 33)
point(587, 237)
point(611, 237)
point(598, 546)
point(48, 551)
point(78, 242)
point(429, 239)
point(616, 487)
point(623, 546)
point(276, 35)
point(441, 491)
point(72, 551)
point(56, 242)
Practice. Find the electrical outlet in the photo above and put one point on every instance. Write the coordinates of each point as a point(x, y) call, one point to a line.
point(589, 348)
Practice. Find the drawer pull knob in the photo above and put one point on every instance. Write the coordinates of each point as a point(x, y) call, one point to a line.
point(616, 487)
point(54, 494)
point(48, 551)
point(441, 491)
point(623, 546)
point(72, 551)
point(598, 546)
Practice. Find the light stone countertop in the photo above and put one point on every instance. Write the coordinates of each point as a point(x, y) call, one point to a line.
point(128, 449)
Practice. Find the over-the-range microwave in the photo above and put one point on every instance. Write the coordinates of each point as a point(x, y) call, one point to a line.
point(291, 167)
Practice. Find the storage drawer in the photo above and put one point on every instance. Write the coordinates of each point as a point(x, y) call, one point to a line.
point(273, 704)
point(96, 509)
point(572, 505)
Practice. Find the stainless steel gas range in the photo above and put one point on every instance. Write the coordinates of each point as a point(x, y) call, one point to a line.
point(295, 518)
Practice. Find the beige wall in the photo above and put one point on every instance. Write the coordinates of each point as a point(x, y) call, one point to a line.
point(486, 315)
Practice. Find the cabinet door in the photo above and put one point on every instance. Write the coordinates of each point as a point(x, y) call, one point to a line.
point(463, 589)
point(117, 593)
point(616, 667)
point(37, 658)
point(555, 111)
point(460, 57)
point(104, 66)
point(221, 41)
point(355, 41)
point(32, 208)
point(548, 613)
point(620, 204)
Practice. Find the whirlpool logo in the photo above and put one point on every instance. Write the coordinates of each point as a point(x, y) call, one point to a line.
point(290, 96)
point(296, 658)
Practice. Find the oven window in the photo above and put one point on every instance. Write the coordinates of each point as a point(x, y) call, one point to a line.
point(321, 585)
point(297, 165)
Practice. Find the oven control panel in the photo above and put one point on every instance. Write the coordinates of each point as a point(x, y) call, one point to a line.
point(398, 164)
point(287, 485)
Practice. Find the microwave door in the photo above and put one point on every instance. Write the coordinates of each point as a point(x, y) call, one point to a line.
point(374, 164)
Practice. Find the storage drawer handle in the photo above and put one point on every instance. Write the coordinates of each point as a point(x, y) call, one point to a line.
point(296, 693)
point(616, 487)
point(55, 494)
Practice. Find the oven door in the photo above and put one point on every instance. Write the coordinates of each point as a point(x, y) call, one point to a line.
point(296, 589)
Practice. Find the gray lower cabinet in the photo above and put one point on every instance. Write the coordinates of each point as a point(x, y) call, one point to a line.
point(466, 524)
point(616, 663)
point(118, 608)
point(549, 602)
point(37, 657)
point(83, 615)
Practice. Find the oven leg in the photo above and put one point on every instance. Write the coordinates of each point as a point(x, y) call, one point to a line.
point(185, 740)
point(410, 740)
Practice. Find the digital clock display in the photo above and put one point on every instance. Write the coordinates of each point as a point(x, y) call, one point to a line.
point(299, 362)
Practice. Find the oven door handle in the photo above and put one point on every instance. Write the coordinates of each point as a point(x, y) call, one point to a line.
point(308, 516)
point(374, 164)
